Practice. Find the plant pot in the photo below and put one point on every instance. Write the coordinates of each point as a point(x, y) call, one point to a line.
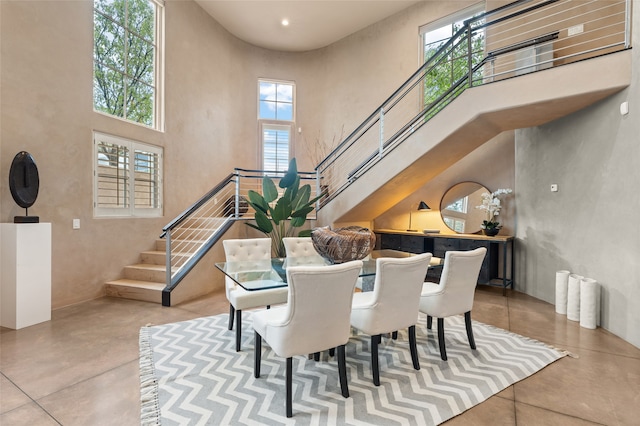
point(491, 232)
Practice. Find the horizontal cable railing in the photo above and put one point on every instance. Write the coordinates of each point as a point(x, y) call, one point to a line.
point(193, 232)
point(516, 39)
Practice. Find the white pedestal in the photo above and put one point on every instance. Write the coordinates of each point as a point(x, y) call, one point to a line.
point(25, 286)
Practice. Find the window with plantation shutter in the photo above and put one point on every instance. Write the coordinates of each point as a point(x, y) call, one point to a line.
point(127, 178)
point(276, 117)
point(275, 146)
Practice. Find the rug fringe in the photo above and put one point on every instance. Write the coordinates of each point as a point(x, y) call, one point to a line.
point(149, 406)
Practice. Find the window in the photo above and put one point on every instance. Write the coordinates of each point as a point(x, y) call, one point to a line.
point(127, 58)
point(276, 116)
point(455, 64)
point(455, 223)
point(275, 147)
point(460, 205)
point(119, 188)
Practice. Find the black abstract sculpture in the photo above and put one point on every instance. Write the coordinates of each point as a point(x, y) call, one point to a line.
point(24, 183)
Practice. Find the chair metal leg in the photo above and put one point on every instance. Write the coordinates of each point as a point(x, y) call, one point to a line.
point(316, 356)
point(413, 347)
point(342, 371)
point(429, 322)
point(467, 323)
point(443, 350)
point(232, 311)
point(394, 335)
point(257, 355)
point(289, 386)
point(375, 368)
point(238, 329)
point(332, 352)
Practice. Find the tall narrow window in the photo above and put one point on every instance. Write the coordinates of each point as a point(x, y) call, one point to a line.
point(276, 116)
point(127, 71)
point(127, 177)
point(453, 65)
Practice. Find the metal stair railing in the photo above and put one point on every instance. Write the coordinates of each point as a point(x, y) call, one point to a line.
point(191, 234)
point(518, 38)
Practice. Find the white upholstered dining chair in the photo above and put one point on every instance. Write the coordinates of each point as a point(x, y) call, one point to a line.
point(316, 318)
point(301, 248)
point(455, 292)
point(255, 249)
point(392, 305)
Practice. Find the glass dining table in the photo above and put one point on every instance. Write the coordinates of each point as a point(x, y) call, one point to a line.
point(255, 275)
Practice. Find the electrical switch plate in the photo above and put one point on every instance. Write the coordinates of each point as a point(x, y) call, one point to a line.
point(554, 187)
point(76, 223)
point(576, 29)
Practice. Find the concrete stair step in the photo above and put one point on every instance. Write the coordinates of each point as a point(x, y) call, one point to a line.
point(135, 289)
point(156, 257)
point(182, 246)
point(145, 272)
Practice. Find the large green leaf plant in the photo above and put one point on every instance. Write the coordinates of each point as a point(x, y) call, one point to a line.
point(279, 217)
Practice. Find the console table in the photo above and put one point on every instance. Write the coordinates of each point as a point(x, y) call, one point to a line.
point(439, 244)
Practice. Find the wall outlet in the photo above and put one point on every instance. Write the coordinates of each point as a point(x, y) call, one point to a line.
point(554, 187)
point(576, 29)
point(76, 223)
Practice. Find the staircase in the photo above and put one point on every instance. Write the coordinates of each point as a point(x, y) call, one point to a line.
point(476, 116)
point(146, 280)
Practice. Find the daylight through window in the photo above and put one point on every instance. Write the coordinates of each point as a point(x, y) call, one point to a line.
point(127, 67)
point(454, 65)
point(276, 116)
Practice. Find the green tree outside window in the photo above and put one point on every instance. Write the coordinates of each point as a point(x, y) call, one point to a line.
point(124, 59)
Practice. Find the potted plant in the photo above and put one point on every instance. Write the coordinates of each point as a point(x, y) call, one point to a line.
point(491, 204)
point(279, 217)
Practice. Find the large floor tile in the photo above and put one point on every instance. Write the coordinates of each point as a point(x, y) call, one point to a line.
point(30, 414)
point(112, 398)
point(11, 396)
point(495, 411)
point(597, 387)
point(80, 342)
point(556, 330)
point(527, 415)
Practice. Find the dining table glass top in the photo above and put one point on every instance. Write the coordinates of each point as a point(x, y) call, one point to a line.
point(264, 274)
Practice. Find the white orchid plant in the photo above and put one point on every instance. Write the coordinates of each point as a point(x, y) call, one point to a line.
point(491, 204)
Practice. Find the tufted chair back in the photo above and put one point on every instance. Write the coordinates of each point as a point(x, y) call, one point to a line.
point(301, 248)
point(255, 249)
point(457, 284)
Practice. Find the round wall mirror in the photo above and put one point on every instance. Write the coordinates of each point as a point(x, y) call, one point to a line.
point(458, 207)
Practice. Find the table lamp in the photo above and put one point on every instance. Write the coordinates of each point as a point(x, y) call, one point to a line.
point(422, 206)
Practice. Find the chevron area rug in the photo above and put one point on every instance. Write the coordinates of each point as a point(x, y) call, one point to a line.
point(191, 375)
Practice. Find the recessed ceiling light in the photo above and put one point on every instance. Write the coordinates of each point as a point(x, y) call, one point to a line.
point(285, 22)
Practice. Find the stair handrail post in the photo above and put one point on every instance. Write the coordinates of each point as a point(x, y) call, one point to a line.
point(469, 53)
point(168, 256)
point(627, 24)
point(237, 195)
point(318, 188)
point(381, 148)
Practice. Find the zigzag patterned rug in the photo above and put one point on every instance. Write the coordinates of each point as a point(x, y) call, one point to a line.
point(191, 374)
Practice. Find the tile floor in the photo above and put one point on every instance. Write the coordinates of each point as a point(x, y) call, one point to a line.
point(81, 368)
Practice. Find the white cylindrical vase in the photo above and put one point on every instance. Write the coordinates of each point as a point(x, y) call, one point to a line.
point(573, 297)
point(562, 284)
point(589, 303)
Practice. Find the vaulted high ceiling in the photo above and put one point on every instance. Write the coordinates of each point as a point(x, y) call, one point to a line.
point(312, 24)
